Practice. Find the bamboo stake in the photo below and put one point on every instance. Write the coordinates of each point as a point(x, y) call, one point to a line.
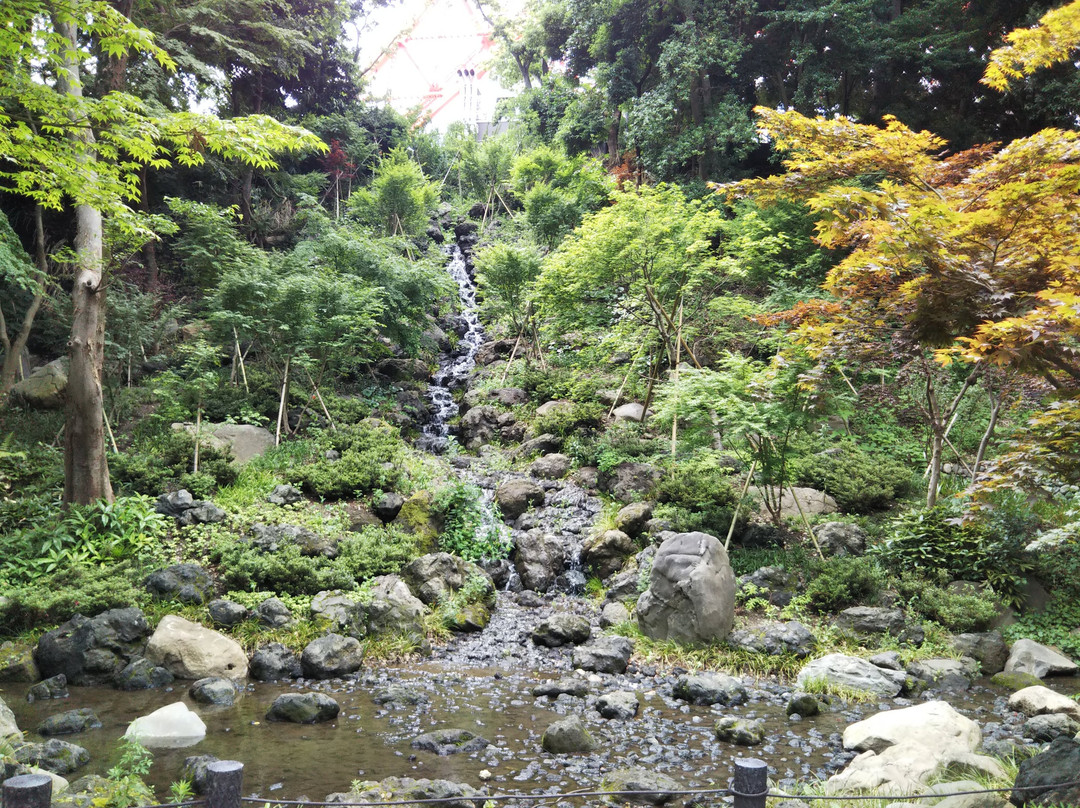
point(675, 380)
point(322, 403)
point(848, 381)
point(112, 438)
point(653, 370)
point(806, 522)
point(626, 378)
point(240, 357)
point(513, 353)
point(281, 405)
point(735, 513)
point(198, 429)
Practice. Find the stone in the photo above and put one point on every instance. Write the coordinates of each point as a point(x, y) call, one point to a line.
point(469, 617)
point(17, 663)
point(274, 661)
point(273, 613)
point(8, 726)
point(418, 517)
point(479, 427)
point(173, 726)
point(890, 660)
point(613, 614)
point(55, 687)
point(203, 513)
point(631, 519)
point(649, 787)
point(1044, 728)
point(933, 724)
point(393, 609)
point(284, 495)
point(450, 742)
point(551, 467)
point(174, 503)
point(619, 705)
point(550, 407)
point(69, 722)
point(568, 736)
point(562, 629)
point(841, 539)
point(1039, 700)
point(271, 537)
point(538, 558)
point(194, 771)
point(803, 704)
point(44, 388)
point(227, 612)
point(516, 496)
point(953, 674)
point(691, 594)
point(605, 553)
point(740, 731)
point(214, 690)
point(568, 685)
point(775, 639)
point(812, 502)
point(853, 673)
point(303, 708)
point(1027, 656)
point(91, 651)
point(56, 756)
point(630, 412)
point(388, 506)
point(628, 481)
point(604, 655)
point(190, 651)
point(331, 656)
point(1015, 681)
point(709, 687)
point(399, 696)
point(436, 577)
point(243, 441)
point(405, 790)
point(1035, 781)
point(142, 674)
point(403, 369)
point(988, 648)
point(541, 444)
point(342, 612)
point(871, 620)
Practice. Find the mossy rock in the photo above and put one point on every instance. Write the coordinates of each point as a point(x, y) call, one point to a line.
point(17, 664)
point(1015, 681)
point(471, 617)
point(418, 517)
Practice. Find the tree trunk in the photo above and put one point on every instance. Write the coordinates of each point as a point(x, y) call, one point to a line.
point(13, 348)
point(613, 138)
point(86, 469)
point(936, 445)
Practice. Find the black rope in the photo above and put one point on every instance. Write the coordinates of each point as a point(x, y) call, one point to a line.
point(905, 797)
point(495, 797)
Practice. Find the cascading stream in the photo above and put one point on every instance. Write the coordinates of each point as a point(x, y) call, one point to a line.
point(454, 368)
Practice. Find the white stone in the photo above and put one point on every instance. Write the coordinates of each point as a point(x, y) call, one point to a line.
point(190, 651)
point(840, 670)
point(245, 441)
point(629, 412)
point(8, 727)
point(171, 727)
point(934, 724)
point(812, 501)
point(1028, 656)
point(1038, 700)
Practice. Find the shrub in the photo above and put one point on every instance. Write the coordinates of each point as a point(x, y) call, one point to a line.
point(860, 482)
point(565, 422)
point(699, 495)
point(242, 566)
point(163, 461)
point(468, 531)
point(376, 551)
point(955, 611)
point(837, 583)
point(55, 597)
point(370, 457)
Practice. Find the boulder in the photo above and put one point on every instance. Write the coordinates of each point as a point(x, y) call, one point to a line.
point(202, 513)
point(142, 674)
point(562, 629)
point(568, 685)
point(1039, 700)
point(418, 517)
point(396, 695)
point(550, 407)
point(648, 787)
point(628, 481)
point(709, 687)
point(620, 704)
point(303, 708)
point(538, 558)
point(988, 648)
point(331, 656)
point(274, 661)
point(284, 495)
point(479, 427)
point(803, 704)
point(612, 614)
point(516, 496)
point(605, 553)
point(740, 731)
point(631, 519)
point(227, 612)
point(1027, 656)
point(44, 388)
point(933, 724)
point(774, 639)
point(630, 412)
point(17, 663)
point(55, 687)
point(242, 441)
point(812, 502)
point(1036, 780)
point(568, 736)
point(190, 651)
point(270, 538)
point(393, 609)
point(388, 506)
point(69, 722)
point(342, 612)
point(436, 576)
point(1044, 728)
point(273, 613)
point(943, 673)
point(691, 594)
point(551, 467)
point(173, 726)
point(853, 673)
point(541, 444)
point(405, 790)
point(56, 756)
point(1015, 681)
point(841, 539)
point(604, 655)
point(92, 651)
point(871, 620)
point(450, 742)
point(194, 771)
point(8, 725)
point(174, 503)
point(214, 690)
point(403, 369)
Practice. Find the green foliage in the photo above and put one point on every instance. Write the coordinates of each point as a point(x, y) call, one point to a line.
point(839, 582)
point(242, 566)
point(957, 611)
point(207, 243)
point(52, 598)
point(860, 482)
point(1055, 626)
point(370, 459)
point(398, 198)
point(572, 420)
point(621, 442)
point(163, 461)
point(503, 271)
point(127, 788)
point(467, 531)
point(376, 550)
point(699, 494)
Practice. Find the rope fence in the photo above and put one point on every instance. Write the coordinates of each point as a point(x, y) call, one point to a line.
point(749, 788)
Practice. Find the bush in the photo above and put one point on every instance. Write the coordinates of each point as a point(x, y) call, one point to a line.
point(838, 583)
point(58, 596)
point(242, 566)
point(370, 458)
point(860, 482)
point(565, 422)
point(163, 462)
point(955, 611)
point(699, 495)
point(468, 531)
point(376, 551)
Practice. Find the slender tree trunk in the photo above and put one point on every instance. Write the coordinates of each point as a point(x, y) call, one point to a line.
point(613, 137)
point(86, 469)
point(13, 348)
point(150, 247)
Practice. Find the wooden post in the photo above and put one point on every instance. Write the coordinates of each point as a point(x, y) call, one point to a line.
point(751, 784)
point(735, 513)
point(28, 791)
point(224, 784)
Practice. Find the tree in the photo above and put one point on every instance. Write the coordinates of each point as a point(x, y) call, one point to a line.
point(19, 275)
point(1054, 40)
point(65, 149)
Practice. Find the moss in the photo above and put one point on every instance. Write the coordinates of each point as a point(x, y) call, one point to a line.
point(1015, 681)
point(418, 516)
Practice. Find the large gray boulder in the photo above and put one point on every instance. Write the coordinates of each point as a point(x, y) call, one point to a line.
point(691, 594)
point(841, 539)
point(437, 576)
point(69, 722)
point(1039, 700)
point(190, 651)
point(1035, 782)
point(605, 553)
point(709, 687)
point(604, 655)
point(539, 559)
point(142, 674)
point(242, 441)
point(568, 736)
point(303, 708)
point(988, 648)
point(405, 789)
point(629, 481)
point(852, 673)
point(56, 756)
point(331, 656)
point(187, 583)
point(449, 741)
point(1028, 656)
point(619, 705)
point(479, 427)
point(871, 620)
point(775, 639)
point(342, 612)
point(214, 690)
point(551, 467)
point(518, 495)
point(91, 651)
point(274, 661)
point(631, 519)
point(394, 609)
point(44, 388)
point(562, 629)
point(648, 787)
point(8, 725)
